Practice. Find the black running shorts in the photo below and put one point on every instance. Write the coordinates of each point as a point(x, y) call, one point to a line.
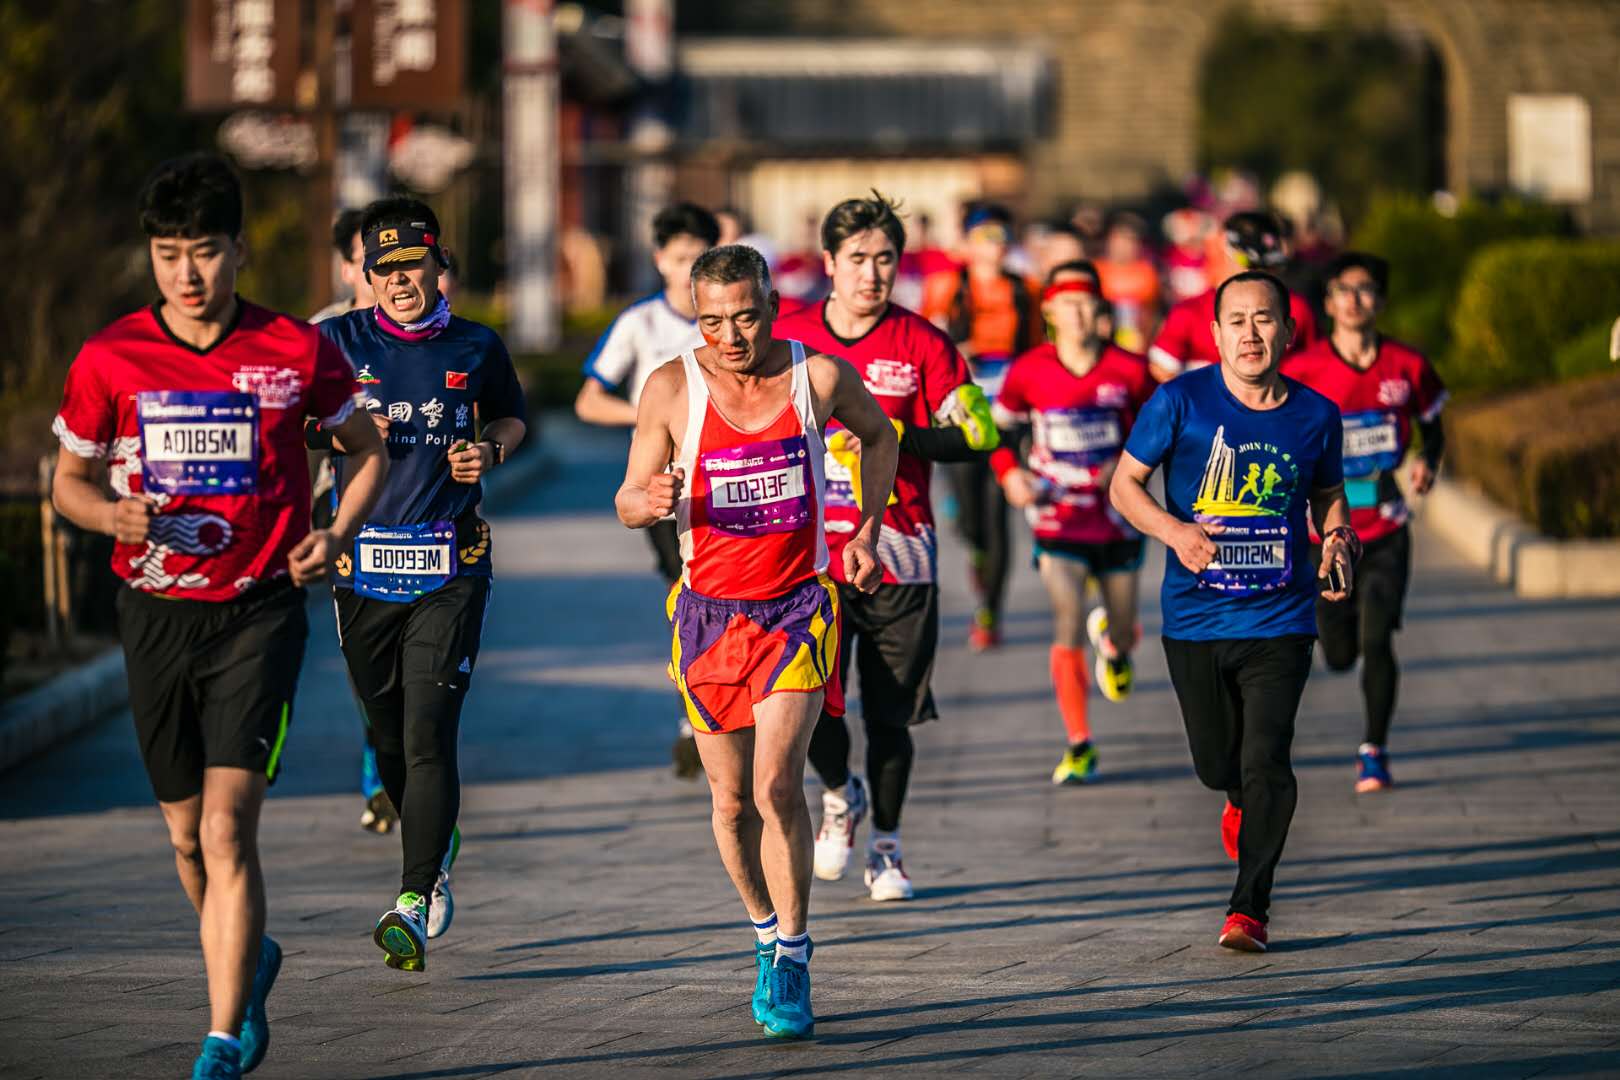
point(1378, 594)
point(1112, 557)
point(892, 635)
point(211, 684)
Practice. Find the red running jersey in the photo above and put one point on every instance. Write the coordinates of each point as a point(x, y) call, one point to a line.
point(750, 518)
point(215, 437)
point(1379, 405)
point(1185, 342)
point(910, 367)
point(1079, 425)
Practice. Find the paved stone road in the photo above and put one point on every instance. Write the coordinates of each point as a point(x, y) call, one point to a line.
point(1467, 924)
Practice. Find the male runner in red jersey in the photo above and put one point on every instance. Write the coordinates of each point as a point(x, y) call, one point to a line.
point(1254, 241)
point(1384, 389)
point(922, 383)
point(1078, 396)
point(197, 406)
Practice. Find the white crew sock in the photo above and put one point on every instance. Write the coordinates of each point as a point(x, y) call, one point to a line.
point(235, 1043)
point(766, 931)
point(794, 948)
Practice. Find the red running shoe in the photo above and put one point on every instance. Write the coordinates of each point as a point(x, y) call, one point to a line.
point(1231, 822)
point(984, 635)
point(1243, 934)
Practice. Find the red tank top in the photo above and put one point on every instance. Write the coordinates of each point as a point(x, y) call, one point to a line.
point(751, 518)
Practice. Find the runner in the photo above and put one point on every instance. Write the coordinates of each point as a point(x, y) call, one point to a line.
point(196, 404)
point(1078, 396)
point(989, 312)
point(1246, 453)
point(411, 598)
point(756, 617)
point(645, 335)
point(919, 380)
point(1384, 389)
point(1254, 241)
point(376, 812)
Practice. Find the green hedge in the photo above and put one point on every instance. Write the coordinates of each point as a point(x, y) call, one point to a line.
point(1429, 253)
point(1587, 353)
point(20, 545)
point(1551, 454)
point(1522, 302)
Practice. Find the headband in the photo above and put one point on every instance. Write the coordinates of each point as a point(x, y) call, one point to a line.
point(1079, 285)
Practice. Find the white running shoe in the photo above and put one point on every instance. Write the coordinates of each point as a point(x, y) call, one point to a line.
point(443, 907)
point(885, 873)
point(841, 814)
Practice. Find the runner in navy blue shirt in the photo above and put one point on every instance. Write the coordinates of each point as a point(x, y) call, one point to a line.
point(1246, 454)
point(410, 598)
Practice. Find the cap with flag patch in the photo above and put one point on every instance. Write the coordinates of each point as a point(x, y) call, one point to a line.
point(394, 246)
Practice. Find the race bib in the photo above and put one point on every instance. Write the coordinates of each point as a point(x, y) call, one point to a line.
point(199, 442)
point(1249, 557)
point(1079, 436)
point(402, 562)
point(990, 372)
point(759, 488)
point(840, 483)
point(1361, 493)
point(1372, 442)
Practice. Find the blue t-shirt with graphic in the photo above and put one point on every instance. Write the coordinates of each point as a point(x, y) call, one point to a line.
point(1250, 472)
point(431, 391)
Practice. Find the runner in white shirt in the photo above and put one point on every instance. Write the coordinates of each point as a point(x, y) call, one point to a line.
point(646, 335)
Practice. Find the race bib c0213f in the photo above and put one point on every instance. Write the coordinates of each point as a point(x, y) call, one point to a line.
point(758, 488)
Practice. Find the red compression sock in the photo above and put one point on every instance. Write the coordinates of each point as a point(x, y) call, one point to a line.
point(1069, 680)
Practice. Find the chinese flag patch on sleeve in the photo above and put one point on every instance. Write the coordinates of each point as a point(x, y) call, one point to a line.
point(455, 380)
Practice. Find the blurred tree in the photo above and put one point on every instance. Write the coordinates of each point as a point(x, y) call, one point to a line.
point(89, 100)
point(1361, 110)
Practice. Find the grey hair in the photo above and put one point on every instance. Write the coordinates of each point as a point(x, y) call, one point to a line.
point(731, 263)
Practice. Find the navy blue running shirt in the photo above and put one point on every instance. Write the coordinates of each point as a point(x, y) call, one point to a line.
point(429, 390)
point(1251, 472)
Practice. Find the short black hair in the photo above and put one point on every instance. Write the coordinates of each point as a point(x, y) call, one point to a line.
point(396, 210)
point(855, 216)
point(344, 230)
point(744, 222)
point(1255, 275)
point(1377, 268)
point(980, 211)
point(685, 219)
point(192, 196)
point(731, 263)
point(1075, 266)
point(1064, 228)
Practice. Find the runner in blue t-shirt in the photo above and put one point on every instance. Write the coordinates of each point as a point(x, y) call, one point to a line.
point(1246, 452)
point(410, 598)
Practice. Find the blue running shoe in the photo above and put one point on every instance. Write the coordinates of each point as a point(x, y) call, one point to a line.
point(377, 814)
point(764, 960)
point(219, 1060)
point(789, 1015)
point(255, 1024)
point(1372, 772)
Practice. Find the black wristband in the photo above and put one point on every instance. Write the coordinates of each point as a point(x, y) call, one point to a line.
point(500, 452)
point(317, 437)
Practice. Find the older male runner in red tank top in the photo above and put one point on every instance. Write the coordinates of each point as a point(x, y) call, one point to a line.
point(729, 438)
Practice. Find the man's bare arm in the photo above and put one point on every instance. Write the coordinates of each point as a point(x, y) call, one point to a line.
point(648, 493)
point(1130, 496)
point(595, 405)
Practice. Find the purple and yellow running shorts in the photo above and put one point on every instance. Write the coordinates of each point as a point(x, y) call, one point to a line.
point(729, 655)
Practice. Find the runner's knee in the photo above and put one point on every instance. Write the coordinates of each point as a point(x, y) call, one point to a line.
point(222, 835)
point(731, 807)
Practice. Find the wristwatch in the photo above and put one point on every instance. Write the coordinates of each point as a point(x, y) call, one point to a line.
point(500, 451)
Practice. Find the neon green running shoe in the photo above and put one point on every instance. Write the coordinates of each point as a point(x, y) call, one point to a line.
point(1079, 765)
point(402, 931)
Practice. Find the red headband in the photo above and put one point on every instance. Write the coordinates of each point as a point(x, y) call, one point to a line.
point(1058, 288)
